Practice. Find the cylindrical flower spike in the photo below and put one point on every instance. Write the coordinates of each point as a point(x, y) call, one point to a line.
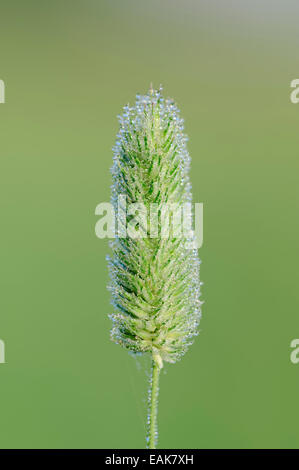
point(154, 280)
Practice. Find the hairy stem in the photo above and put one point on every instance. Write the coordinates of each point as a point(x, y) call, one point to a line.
point(152, 431)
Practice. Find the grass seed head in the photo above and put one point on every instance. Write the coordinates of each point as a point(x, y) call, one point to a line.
point(154, 283)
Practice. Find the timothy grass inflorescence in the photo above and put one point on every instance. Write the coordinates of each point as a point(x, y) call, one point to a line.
point(154, 280)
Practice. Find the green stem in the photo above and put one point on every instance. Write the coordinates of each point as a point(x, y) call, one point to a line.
point(152, 431)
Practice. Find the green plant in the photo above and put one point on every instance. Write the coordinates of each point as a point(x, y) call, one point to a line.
point(154, 279)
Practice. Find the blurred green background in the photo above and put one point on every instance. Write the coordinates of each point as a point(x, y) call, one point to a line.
point(69, 66)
